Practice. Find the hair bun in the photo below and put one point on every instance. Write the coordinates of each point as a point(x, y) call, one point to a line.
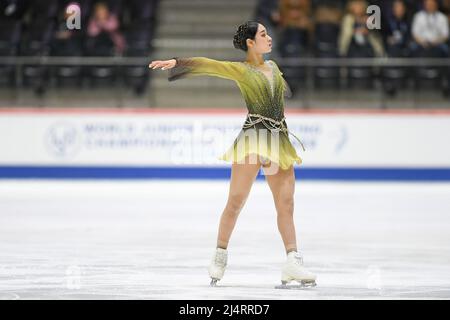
point(245, 31)
point(239, 39)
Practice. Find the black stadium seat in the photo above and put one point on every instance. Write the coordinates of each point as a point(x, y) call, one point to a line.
point(43, 9)
point(325, 46)
point(36, 42)
point(10, 31)
point(138, 45)
point(141, 9)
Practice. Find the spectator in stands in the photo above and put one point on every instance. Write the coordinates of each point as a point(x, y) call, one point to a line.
point(294, 13)
point(430, 31)
point(327, 17)
point(328, 12)
point(103, 31)
point(397, 31)
point(387, 9)
point(355, 39)
point(327, 3)
point(296, 26)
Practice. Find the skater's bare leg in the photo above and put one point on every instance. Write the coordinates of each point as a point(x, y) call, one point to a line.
point(282, 185)
point(242, 177)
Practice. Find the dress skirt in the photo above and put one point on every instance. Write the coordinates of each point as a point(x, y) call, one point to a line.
point(269, 146)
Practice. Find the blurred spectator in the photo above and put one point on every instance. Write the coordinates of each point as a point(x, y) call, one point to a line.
point(355, 39)
point(328, 12)
point(327, 16)
point(103, 32)
point(295, 13)
point(430, 31)
point(387, 9)
point(296, 26)
point(326, 3)
point(397, 31)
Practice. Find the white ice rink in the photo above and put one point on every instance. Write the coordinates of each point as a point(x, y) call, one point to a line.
point(154, 239)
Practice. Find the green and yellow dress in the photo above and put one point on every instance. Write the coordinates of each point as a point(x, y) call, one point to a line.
point(265, 104)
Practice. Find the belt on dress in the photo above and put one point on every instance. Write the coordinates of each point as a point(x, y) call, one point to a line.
point(271, 124)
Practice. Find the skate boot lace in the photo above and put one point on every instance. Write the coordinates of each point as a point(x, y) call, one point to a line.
point(298, 259)
point(220, 259)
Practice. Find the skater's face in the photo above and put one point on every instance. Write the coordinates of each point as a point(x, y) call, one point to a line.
point(262, 43)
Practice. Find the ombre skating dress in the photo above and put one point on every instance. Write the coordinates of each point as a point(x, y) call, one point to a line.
point(264, 99)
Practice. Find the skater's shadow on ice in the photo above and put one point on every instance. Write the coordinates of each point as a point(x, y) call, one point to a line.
point(266, 287)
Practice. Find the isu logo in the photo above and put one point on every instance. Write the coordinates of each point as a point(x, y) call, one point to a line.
point(62, 140)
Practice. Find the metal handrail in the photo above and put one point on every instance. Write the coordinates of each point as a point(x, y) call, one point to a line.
point(291, 62)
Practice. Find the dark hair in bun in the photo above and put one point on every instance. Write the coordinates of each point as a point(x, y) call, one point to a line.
point(245, 31)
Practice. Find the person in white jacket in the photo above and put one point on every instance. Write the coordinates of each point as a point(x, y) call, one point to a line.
point(430, 31)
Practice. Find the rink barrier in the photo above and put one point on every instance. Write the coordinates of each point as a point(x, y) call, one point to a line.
point(410, 144)
point(219, 173)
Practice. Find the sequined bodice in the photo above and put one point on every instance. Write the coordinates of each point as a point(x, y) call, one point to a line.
point(264, 96)
point(270, 78)
point(263, 93)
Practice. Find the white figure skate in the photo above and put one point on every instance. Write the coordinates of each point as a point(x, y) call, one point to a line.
point(293, 270)
point(217, 267)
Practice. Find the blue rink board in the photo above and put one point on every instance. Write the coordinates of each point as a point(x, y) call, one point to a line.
point(309, 173)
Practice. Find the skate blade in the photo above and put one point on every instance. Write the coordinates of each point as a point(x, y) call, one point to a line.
point(213, 282)
point(301, 285)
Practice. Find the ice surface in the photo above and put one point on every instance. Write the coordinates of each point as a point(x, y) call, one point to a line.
point(153, 240)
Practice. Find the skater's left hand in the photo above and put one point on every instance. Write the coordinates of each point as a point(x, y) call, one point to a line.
point(163, 64)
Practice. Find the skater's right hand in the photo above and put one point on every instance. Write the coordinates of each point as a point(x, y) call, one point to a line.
point(163, 64)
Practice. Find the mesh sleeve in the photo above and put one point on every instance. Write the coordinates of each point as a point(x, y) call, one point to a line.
point(198, 66)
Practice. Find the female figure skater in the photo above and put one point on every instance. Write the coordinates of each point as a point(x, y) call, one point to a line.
point(263, 88)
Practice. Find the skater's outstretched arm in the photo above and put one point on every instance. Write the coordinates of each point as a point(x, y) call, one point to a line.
point(196, 66)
